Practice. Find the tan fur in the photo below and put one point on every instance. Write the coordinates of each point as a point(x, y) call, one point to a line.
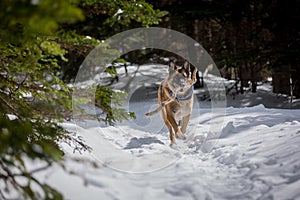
point(172, 109)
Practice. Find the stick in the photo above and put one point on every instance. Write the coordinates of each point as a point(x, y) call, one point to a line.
point(163, 104)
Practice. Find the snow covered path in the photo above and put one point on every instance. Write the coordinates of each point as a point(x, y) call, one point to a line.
point(256, 157)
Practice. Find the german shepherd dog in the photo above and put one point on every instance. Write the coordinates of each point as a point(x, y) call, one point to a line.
point(175, 99)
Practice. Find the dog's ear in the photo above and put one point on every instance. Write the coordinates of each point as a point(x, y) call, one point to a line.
point(186, 65)
point(172, 66)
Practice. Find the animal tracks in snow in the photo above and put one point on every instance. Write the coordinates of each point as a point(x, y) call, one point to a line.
point(256, 157)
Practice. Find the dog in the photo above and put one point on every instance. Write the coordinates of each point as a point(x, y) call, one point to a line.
point(175, 99)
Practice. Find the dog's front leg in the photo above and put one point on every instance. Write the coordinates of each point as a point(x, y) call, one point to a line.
point(172, 138)
point(184, 122)
point(163, 114)
point(176, 128)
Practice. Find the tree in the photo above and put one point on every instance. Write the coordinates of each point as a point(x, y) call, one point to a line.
point(32, 97)
point(250, 38)
point(36, 39)
point(285, 46)
point(102, 20)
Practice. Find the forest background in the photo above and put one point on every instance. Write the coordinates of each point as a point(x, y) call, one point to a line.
point(44, 42)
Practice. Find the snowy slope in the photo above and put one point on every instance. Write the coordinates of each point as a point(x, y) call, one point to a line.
point(256, 156)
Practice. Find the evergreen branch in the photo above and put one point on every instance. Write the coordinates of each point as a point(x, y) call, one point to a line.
point(31, 87)
point(11, 107)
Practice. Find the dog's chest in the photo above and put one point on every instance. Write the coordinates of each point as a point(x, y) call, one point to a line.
point(181, 109)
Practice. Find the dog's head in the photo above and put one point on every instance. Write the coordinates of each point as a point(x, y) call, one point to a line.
point(179, 77)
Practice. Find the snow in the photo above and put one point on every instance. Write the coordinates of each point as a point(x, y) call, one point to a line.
point(265, 97)
point(255, 157)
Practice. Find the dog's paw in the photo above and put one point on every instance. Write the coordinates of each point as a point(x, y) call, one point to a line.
point(183, 137)
point(180, 135)
point(174, 146)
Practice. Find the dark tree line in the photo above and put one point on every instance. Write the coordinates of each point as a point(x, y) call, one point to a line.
point(249, 40)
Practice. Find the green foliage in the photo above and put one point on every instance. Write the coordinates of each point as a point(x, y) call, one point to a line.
point(124, 12)
point(105, 18)
point(70, 37)
point(32, 93)
point(111, 102)
point(102, 20)
point(40, 43)
point(22, 139)
point(25, 20)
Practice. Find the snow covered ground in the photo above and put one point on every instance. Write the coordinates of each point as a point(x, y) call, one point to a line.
point(257, 155)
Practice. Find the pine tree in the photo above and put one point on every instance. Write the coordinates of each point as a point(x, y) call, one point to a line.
point(37, 38)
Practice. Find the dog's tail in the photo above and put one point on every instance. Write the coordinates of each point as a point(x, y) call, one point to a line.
point(162, 104)
point(149, 114)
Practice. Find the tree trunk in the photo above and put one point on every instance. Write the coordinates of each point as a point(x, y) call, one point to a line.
point(253, 78)
point(254, 86)
point(241, 79)
point(281, 80)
